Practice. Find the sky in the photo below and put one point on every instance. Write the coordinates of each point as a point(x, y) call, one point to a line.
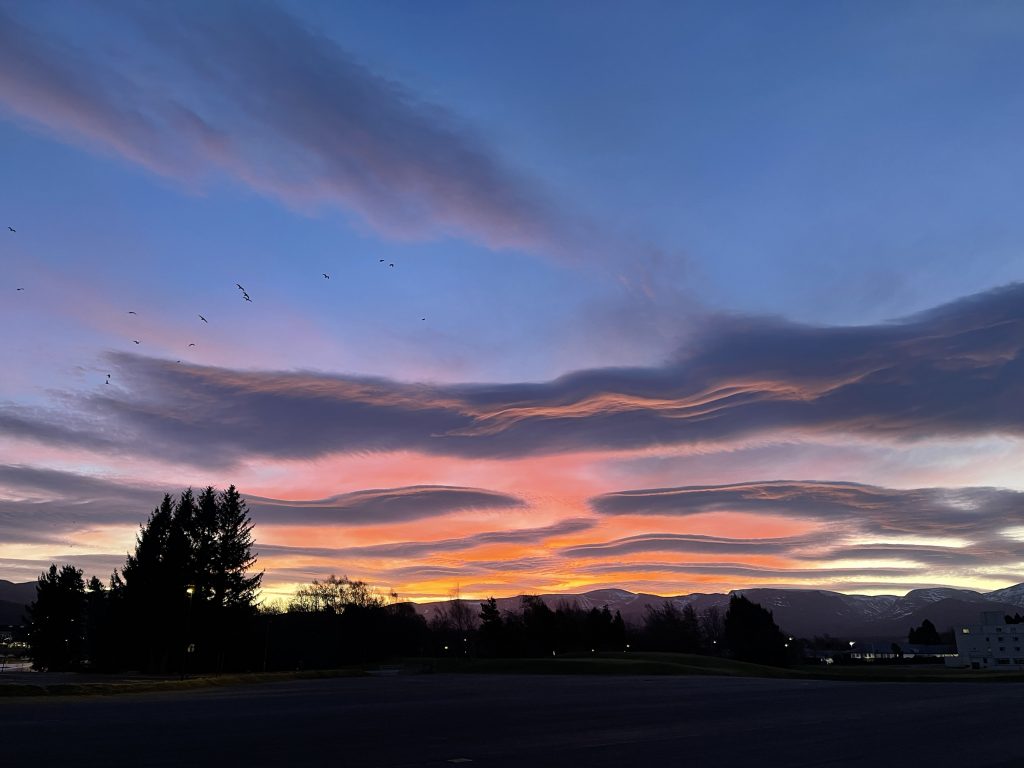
point(506, 298)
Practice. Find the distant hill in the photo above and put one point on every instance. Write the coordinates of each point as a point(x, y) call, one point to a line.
point(14, 599)
point(806, 612)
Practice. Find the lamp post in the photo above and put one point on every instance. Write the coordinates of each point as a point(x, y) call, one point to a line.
point(189, 591)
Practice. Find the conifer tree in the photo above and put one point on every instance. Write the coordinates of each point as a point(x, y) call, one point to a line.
point(235, 586)
point(57, 633)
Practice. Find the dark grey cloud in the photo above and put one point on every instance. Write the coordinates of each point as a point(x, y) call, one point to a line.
point(40, 505)
point(378, 505)
point(746, 571)
point(688, 542)
point(250, 91)
point(410, 549)
point(953, 512)
point(28, 569)
point(46, 506)
point(954, 371)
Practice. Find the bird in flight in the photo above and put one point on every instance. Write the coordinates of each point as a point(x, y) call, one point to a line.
point(423, 318)
point(192, 344)
point(246, 296)
point(130, 312)
point(391, 265)
point(108, 378)
point(21, 289)
point(204, 319)
point(381, 260)
point(326, 276)
point(240, 287)
point(136, 341)
point(12, 229)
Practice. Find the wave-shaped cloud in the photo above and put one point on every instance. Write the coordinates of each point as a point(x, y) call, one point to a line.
point(378, 505)
point(955, 370)
point(215, 85)
point(948, 512)
point(408, 549)
point(690, 542)
point(40, 505)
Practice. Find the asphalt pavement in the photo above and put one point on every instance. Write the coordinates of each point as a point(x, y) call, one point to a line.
point(521, 720)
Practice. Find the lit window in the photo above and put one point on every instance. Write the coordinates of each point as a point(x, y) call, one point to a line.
point(966, 631)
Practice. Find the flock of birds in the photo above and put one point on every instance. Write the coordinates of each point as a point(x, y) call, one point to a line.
point(245, 297)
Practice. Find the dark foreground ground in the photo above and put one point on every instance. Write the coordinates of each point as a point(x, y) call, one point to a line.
point(505, 720)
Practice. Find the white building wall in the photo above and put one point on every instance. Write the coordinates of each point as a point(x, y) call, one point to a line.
point(992, 644)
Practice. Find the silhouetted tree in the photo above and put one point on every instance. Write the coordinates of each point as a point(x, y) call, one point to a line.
point(538, 627)
point(491, 637)
point(751, 633)
point(617, 637)
point(667, 628)
point(333, 595)
point(235, 586)
point(57, 631)
point(189, 581)
point(712, 628)
point(926, 634)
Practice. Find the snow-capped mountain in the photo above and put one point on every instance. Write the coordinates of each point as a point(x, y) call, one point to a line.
point(804, 612)
point(1013, 595)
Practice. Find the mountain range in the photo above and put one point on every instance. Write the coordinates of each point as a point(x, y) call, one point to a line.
point(806, 612)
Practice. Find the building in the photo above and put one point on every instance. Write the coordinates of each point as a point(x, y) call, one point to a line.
point(992, 644)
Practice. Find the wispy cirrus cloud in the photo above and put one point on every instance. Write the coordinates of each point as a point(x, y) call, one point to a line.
point(955, 370)
point(219, 85)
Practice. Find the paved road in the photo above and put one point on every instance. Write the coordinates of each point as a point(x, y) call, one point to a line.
point(570, 721)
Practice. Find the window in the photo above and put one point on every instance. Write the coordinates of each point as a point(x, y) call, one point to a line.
point(966, 630)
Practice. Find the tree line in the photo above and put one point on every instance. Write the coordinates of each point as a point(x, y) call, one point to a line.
point(185, 600)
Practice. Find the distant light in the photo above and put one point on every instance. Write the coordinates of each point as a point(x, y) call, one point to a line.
point(189, 590)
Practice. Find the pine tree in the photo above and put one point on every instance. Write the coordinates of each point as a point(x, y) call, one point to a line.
point(143, 590)
point(57, 634)
point(491, 638)
point(751, 633)
point(235, 587)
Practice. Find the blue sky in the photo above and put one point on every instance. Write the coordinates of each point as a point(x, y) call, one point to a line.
point(563, 189)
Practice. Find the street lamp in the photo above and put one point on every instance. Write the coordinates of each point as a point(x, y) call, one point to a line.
point(189, 591)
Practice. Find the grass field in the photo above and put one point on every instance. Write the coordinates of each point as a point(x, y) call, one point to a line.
point(599, 664)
